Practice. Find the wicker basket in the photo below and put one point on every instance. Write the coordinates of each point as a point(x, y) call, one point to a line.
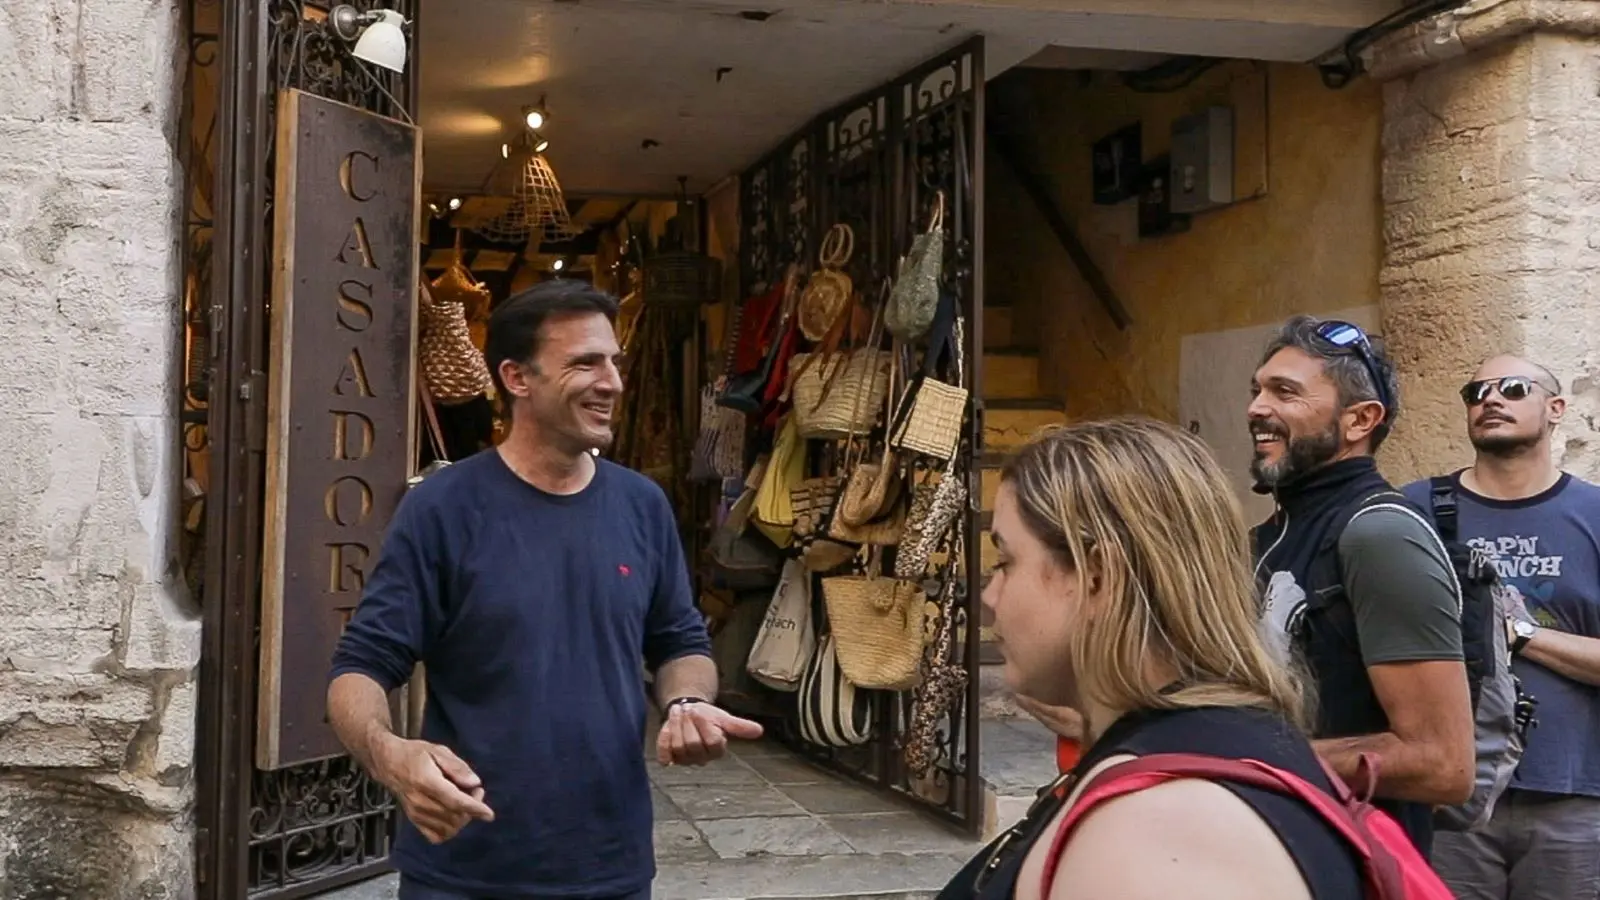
point(452, 365)
point(877, 624)
point(933, 426)
point(841, 396)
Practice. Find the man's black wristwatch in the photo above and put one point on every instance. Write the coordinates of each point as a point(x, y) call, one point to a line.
point(681, 701)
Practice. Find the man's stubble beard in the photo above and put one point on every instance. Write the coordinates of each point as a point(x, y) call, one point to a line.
point(1506, 446)
point(1302, 456)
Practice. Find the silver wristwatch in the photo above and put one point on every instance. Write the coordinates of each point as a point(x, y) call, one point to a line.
point(1524, 632)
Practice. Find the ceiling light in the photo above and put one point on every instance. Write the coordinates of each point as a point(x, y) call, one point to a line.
point(535, 119)
point(379, 35)
point(541, 145)
point(455, 202)
point(559, 264)
point(505, 151)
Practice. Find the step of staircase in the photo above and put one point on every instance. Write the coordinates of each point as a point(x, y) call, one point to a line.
point(1010, 373)
point(997, 326)
point(1010, 423)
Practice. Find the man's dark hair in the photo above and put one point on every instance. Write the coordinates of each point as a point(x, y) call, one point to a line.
point(1345, 367)
point(517, 325)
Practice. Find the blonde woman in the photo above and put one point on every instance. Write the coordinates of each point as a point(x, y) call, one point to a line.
point(1123, 590)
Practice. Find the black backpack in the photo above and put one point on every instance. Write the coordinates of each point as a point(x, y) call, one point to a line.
point(1502, 710)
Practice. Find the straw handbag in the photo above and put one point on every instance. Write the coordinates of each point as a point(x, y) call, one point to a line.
point(932, 420)
point(451, 364)
point(871, 489)
point(837, 395)
point(876, 621)
point(828, 292)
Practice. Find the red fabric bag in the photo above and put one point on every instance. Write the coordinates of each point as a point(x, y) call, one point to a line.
point(1392, 867)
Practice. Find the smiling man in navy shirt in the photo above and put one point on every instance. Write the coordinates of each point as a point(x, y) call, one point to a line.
point(531, 579)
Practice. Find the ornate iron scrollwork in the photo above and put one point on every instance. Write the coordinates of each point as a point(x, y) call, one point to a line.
point(305, 53)
point(311, 822)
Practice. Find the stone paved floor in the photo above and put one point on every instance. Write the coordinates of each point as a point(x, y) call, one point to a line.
point(762, 823)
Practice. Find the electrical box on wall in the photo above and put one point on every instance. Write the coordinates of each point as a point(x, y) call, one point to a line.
point(1202, 160)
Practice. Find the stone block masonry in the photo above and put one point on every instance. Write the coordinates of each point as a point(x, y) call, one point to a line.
point(1491, 191)
point(98, 643)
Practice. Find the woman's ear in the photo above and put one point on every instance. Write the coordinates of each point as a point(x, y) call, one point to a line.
point(1093, 579)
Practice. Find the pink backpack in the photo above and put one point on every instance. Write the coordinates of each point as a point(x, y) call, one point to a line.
point(1392, 869)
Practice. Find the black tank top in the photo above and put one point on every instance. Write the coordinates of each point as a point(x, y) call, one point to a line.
point(1325, 860)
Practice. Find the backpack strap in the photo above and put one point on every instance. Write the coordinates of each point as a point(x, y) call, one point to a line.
point(1342, 810)
point(1442, 496)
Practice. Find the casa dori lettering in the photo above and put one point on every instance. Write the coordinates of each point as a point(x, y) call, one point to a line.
point(340, 409)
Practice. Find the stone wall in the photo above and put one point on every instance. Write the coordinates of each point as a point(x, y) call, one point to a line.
point(98, 643)
point(1491, 188)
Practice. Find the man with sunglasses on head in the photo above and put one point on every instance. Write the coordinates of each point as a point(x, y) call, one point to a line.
point(1358, 588)
point(1540, 529)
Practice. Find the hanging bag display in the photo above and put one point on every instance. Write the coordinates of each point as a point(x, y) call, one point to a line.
point(832, 712)
point(915, 296)
point(876, 621)
point(783, 648)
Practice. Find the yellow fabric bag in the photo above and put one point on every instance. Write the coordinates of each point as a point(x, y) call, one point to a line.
point(774, 510)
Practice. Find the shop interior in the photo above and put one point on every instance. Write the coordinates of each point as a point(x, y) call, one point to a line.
point(808, 491)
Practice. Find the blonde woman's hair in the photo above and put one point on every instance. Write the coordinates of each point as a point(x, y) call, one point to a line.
point(1149, 509)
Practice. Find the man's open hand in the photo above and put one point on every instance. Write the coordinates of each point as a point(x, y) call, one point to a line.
point(697, 733)
point(439, 793)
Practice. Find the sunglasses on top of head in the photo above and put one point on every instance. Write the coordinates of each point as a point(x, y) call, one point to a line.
point(1345, 336)
point(1511, 387)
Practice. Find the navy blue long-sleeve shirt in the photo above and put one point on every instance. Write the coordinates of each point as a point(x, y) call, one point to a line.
point(532, 612)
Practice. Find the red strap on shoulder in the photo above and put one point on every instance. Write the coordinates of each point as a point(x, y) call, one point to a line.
point(1159, 768)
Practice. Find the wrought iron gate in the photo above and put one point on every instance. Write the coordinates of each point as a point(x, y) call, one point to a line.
point(874, 163)
point(287, 833)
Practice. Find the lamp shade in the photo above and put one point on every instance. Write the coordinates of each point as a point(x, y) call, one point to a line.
point(383, 43)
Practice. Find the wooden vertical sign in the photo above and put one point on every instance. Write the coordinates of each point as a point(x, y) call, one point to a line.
point(341, 403)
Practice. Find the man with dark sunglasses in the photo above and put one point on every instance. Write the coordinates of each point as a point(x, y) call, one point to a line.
point(1540, 529)
point(1358, 588)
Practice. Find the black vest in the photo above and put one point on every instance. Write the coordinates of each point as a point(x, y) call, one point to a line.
point(1302, 538)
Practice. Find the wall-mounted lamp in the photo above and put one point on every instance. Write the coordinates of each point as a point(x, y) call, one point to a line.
point(379, 35)
point(540, 143)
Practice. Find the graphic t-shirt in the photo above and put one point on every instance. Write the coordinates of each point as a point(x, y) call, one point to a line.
point(1547, 547)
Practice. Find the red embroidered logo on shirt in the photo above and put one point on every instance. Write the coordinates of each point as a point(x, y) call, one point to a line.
point(625, 571)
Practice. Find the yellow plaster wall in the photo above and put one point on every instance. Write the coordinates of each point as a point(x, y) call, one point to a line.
point(1309, 241)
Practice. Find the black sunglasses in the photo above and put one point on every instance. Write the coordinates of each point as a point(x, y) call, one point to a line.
point(1345, 336)
point(1511, 387)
